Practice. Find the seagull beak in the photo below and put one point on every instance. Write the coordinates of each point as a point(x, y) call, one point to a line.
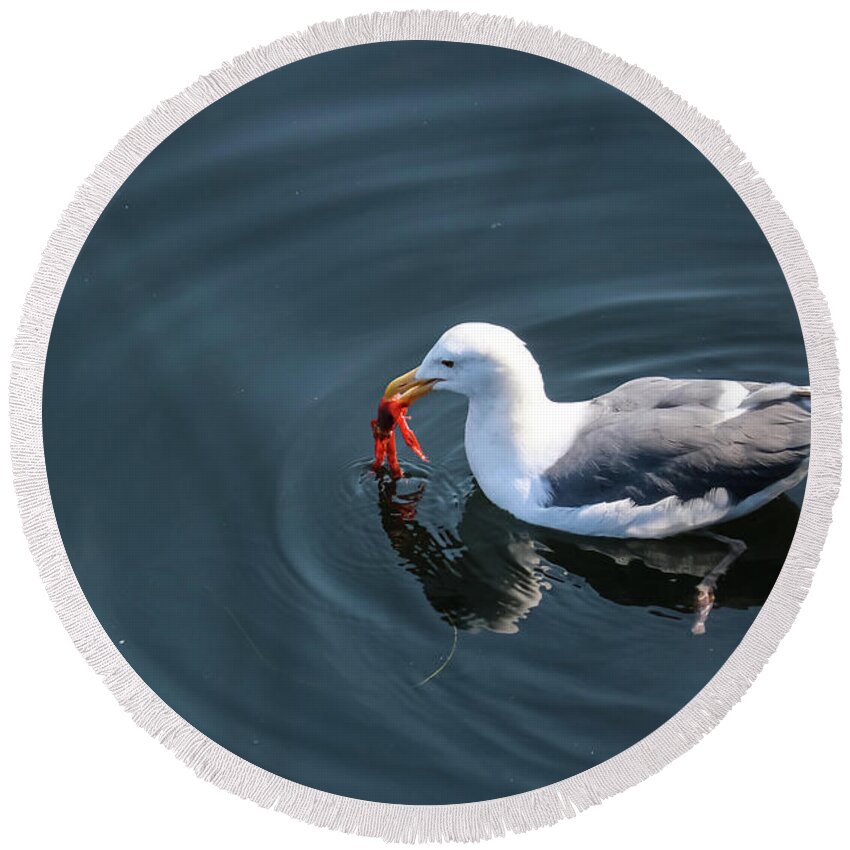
point(408, 387)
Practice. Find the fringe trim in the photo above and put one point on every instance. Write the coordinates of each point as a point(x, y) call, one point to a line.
point(402, 823)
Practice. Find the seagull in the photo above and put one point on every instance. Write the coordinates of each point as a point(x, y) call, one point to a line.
point(652, 458)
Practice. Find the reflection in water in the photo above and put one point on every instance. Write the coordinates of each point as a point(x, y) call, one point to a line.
point(491, 571)
point(490, 586)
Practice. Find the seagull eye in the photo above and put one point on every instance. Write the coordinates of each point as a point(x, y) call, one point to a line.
point(448, 363)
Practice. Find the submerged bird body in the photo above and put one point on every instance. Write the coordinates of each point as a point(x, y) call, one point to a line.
point(652, 458)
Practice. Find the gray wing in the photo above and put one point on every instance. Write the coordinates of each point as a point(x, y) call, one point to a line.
point(661, 393)
point(654, 438)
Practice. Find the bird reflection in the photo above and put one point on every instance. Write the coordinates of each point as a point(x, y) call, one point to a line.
point(492, 584)
point(490, 571)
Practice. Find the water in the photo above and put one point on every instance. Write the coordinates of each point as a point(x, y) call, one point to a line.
point(220, 349)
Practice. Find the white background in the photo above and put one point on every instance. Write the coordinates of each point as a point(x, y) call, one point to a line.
point(77, 76)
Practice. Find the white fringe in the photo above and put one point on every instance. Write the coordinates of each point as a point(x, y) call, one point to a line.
point(470, 821)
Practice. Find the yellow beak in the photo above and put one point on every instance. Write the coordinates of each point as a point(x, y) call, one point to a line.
point(408, 387)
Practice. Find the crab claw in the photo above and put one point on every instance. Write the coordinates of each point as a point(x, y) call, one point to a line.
point(392, 411)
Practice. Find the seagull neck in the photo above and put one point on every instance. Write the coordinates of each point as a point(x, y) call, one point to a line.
point(511, 420)
point(511, 439)
point(524, 398)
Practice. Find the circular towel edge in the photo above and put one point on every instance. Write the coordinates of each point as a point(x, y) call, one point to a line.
point(393, 822)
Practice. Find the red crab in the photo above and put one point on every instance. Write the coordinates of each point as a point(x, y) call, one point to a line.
point(392, 411)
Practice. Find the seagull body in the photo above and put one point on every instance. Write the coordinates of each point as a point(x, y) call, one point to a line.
point(653, 458)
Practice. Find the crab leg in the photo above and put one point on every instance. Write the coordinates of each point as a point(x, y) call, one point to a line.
point(408, 436)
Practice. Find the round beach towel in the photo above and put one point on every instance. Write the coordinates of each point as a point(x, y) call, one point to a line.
point(613, 516)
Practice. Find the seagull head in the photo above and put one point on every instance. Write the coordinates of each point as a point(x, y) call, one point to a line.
point(475, 359)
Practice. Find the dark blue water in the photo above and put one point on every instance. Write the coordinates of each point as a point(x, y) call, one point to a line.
point(220, 349)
